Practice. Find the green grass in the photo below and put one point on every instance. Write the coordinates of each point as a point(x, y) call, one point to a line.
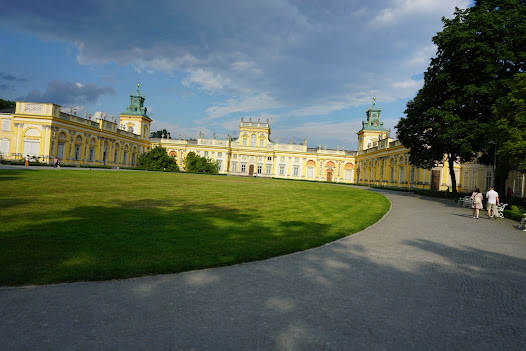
point(76, 225)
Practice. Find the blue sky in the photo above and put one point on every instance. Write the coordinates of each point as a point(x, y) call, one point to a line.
point(311, 67)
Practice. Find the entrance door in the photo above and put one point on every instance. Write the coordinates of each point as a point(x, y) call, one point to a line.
point(329, 176)
point(435, 180)
point(251, 170)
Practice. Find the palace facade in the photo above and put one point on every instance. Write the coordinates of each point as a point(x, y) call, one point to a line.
point(43, 131)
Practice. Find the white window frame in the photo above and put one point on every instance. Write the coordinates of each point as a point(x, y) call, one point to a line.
point(6, 124)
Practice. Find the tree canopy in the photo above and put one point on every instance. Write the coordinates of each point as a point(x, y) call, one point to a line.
point(157, 159)
point(453, 115)
point(511, 123)
point(199, 164)
point(7, 104)
point(160, 134)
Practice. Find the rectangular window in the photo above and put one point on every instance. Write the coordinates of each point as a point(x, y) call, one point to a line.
point(296, 171)
point(401, 175)
point(261, 144)
point(269, 158)
point(206, 153)
point(269, 169)
point(310, 172)
point(61, 150)
point(281, 170)
point(260, 169)
point(235, 157)
point(489, 179)
point(234, 166)
point(282, 159)
point(77, 152)
point(219, 154)
point(92, 154)
point(5, 124)
point(133, 159)
point(125, 157)
point(412, 175)
point(244, 142)
point(4, 147)
point(115, 155)
point(31, 147)
point(348, 174)
point(296, 159)
point(243, 168)
point(219, 164)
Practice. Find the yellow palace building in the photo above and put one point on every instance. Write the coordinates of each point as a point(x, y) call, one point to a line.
point(43, 131)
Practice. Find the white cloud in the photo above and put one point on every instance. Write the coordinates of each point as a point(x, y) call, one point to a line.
point(409, 8)
point(205, 80)
point(343, 134)
point(246, 105)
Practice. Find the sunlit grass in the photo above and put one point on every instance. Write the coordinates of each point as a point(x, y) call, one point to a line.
point(71, 225)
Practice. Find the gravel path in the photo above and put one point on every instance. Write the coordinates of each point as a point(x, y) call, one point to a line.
point(426, 277)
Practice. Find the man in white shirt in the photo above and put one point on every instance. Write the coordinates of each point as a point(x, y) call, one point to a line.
point(493, 202)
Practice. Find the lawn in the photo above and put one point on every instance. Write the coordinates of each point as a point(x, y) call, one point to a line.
point(76, 225)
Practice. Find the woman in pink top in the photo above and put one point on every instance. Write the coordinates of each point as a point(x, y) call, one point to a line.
point(476, 202)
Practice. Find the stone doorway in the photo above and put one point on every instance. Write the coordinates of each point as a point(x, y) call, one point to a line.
point(435, 180)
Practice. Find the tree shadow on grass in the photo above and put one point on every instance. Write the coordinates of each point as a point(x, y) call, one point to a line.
point(145, 237)
point(10, 174)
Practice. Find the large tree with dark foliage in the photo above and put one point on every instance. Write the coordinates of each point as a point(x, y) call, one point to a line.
point(160, 134)
point(511, 124)
point(198, 164)
point(453, 115)
point(157, 159)
point(7, 104)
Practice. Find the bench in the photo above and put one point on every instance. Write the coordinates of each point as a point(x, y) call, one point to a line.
point(500, 210)
point(464, 201)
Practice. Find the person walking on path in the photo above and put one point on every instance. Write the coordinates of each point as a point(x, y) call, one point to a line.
point(27, 160)
point(493, 202)
point(476, 202)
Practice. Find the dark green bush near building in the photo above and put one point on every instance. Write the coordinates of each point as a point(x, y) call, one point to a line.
point(194, 163)
point(157, 159)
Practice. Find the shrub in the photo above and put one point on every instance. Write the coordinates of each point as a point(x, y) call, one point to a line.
point(157, 159)
point(516, 216)
point(196, 164)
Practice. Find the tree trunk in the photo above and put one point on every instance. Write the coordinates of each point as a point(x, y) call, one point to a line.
point(451, 164)
point(501, 175)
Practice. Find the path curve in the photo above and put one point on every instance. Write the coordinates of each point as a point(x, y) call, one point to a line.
point(426, 277)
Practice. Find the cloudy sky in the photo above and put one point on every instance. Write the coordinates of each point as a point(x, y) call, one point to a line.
point(311, 67)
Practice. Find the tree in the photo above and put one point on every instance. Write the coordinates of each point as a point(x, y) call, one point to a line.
point(511, 123)
point(160, 134)
point(7, 104)
point(157, 159)
point(478, 52)
point(197, 164)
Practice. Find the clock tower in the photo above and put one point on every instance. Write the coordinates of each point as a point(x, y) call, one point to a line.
point(372, 128)
point(135, 119)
